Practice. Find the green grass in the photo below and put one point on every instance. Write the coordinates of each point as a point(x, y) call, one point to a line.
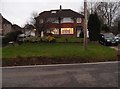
point(58, 50)
point(70, 39)
point(61, 39)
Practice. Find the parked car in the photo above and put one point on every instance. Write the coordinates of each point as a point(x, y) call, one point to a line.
point(117, 37)
point(108, 39)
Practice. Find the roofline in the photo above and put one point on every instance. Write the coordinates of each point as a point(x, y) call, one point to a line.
point(59, 10)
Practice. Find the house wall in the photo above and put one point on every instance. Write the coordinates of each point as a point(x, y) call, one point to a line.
point(66, 22)
point(6, 28)
point(0, 24)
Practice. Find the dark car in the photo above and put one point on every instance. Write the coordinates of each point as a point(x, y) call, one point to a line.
point(107, 39)
point(117, 37)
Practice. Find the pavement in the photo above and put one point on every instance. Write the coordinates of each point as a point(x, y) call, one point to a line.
point(67, 75)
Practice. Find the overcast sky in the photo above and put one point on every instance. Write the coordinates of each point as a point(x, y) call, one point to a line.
point(19, 11)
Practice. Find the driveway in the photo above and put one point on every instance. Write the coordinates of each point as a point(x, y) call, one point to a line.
point(71, 75)
point(115, 47)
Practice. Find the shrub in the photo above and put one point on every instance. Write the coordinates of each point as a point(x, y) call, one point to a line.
point(12, 36)
point(49, 39)
point(48, 34)
point(32, 39)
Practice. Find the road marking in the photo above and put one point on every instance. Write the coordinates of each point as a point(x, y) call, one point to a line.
point(30, 66)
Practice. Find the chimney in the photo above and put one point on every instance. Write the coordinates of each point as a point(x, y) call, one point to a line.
point(60, 7)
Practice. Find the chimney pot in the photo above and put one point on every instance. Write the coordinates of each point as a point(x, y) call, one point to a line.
point(60, 7)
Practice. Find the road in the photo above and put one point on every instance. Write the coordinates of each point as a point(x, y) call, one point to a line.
point(75, 75)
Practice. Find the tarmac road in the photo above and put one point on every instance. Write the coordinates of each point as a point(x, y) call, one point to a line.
point(73, 75)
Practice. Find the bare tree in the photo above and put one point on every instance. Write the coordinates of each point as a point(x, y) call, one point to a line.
point(42, 24)
point(108, 11)
point(91, 7)
point(117, 19)
point(32, 18)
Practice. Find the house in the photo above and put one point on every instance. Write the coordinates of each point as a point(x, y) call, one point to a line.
point(29, 30)
point(5, 26)
point(15, 27)
point(61, 22)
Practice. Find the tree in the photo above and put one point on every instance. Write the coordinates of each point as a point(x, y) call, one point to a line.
point(94, 26)
point(105, 28)
point(119, 27)
point(32, 20)
point(107, 11)
point(43, 24)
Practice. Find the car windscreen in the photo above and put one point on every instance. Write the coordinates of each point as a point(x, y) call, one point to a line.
point(109, 36)
point(118, 35)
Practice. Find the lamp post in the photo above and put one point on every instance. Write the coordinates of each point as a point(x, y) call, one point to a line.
point(85, 24)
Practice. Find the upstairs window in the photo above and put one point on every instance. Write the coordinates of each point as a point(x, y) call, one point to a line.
point(67, 20)
point(79, 20)
point(53, 20)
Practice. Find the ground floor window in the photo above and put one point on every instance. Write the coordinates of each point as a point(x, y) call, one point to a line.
point(67, 31)
point(55, 30)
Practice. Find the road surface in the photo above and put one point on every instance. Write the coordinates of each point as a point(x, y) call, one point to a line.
point(75, 75)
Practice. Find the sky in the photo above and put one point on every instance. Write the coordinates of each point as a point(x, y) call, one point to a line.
point(19, 11)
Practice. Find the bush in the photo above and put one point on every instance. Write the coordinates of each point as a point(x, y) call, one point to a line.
point(81, 35)
point(49, 39)
point(48, 34)
point(12, 36)
point(32, 39)
point(40, 39)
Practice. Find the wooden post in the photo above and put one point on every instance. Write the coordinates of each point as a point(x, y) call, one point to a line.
point(59, 19)
point(85, 24)
point(118, 54)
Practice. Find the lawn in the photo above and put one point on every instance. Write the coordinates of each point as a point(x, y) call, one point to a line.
point(55, 53)
point(69, 39)
point(58, 50)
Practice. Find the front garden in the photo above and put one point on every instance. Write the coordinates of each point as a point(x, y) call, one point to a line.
point(54, 53)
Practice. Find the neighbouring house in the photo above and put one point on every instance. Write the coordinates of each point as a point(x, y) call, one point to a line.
point(61, 22)
point(5, 26)
point(15, 27)
point(29, 30)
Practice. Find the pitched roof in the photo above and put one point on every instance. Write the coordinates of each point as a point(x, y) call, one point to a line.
point(5, 21)
point(15, 26)
point(60, 13)
point(29, 26)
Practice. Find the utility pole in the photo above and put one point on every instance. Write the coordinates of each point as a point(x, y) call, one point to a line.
point(85, 24)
